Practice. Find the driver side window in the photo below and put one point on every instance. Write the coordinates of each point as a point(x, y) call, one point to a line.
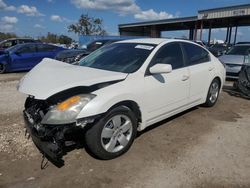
point(170, 54)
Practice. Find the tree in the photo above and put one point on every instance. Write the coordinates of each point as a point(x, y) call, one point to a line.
point(54, 38)
point(63, 39)
point(4, 36)
point(87, 25)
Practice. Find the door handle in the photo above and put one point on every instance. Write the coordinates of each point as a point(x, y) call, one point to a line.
point(185, 77)
point(211, 68)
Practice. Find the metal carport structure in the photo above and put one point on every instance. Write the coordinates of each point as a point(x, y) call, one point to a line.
point(224, 17)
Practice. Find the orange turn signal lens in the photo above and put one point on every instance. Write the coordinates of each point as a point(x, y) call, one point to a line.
point(68, 103)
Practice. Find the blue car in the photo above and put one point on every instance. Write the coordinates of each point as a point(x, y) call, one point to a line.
point(26, 56)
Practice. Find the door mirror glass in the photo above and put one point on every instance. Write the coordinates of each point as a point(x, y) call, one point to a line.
point(160, 69)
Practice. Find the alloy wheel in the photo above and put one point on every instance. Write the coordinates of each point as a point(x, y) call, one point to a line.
point(214, 92)
point(116, 133)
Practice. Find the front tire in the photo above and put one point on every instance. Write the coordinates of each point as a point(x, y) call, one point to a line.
point(2, 68)
point(113, 134)
point(213, 93)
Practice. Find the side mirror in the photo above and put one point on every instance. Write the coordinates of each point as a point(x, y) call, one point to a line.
point(160, 68)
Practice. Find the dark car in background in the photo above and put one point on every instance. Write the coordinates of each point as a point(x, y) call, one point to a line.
point(235, 58)
point(14, 41)
point(94, 45)
point(219, 49)
point(26, 56)
point(243, 42)
point(74, 55)
point(201, 43)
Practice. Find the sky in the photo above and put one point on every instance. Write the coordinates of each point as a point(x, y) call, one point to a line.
point(37, 17)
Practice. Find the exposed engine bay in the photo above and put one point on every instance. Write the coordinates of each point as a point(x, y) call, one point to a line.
point(54, 141)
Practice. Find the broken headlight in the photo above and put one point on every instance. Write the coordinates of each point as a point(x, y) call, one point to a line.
point(68, 110)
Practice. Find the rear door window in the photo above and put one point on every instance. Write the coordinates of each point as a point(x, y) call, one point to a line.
point(195, 54)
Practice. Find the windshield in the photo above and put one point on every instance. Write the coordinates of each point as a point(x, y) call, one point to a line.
point(239, 50)
point(119, 57)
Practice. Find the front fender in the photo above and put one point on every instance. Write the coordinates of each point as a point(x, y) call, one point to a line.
point(101, 104)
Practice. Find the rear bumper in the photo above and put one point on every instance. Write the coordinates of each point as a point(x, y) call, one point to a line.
point(233, 71)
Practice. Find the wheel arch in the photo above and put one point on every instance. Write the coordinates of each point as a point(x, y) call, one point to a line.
point(132, 105)
point(219, 79)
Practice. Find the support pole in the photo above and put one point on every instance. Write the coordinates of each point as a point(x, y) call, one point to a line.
point(230, 34)
point(227, 35)
point(209, 34)
point(201, 30)
point(155, 33)
point(195, 31)
point(191, 34)
point(235, 34)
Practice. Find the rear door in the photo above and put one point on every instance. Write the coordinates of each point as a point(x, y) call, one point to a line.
point(201, 70)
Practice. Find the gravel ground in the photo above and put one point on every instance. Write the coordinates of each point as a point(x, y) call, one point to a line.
point(203, 147)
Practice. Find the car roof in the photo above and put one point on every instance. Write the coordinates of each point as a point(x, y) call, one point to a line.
point(19, 39)
point(29, 43)
point(155, 41)
point(32, 43)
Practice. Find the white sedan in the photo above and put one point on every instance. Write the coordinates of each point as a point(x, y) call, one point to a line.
point(116, 91)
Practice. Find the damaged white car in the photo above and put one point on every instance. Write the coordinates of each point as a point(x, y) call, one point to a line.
point(116, 91)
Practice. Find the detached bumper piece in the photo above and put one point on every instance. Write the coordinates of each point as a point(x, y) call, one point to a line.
point(53, 141)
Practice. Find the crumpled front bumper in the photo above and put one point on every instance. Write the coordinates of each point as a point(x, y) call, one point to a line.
point(52, 141)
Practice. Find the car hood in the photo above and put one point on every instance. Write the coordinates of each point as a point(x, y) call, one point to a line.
point(51, 76)
point(232, 59)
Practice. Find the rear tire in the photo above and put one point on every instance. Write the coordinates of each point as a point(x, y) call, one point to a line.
point(113, 134)
point(2, 68)
point(213, 93)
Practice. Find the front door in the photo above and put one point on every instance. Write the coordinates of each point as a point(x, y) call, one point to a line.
point(167, 92)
